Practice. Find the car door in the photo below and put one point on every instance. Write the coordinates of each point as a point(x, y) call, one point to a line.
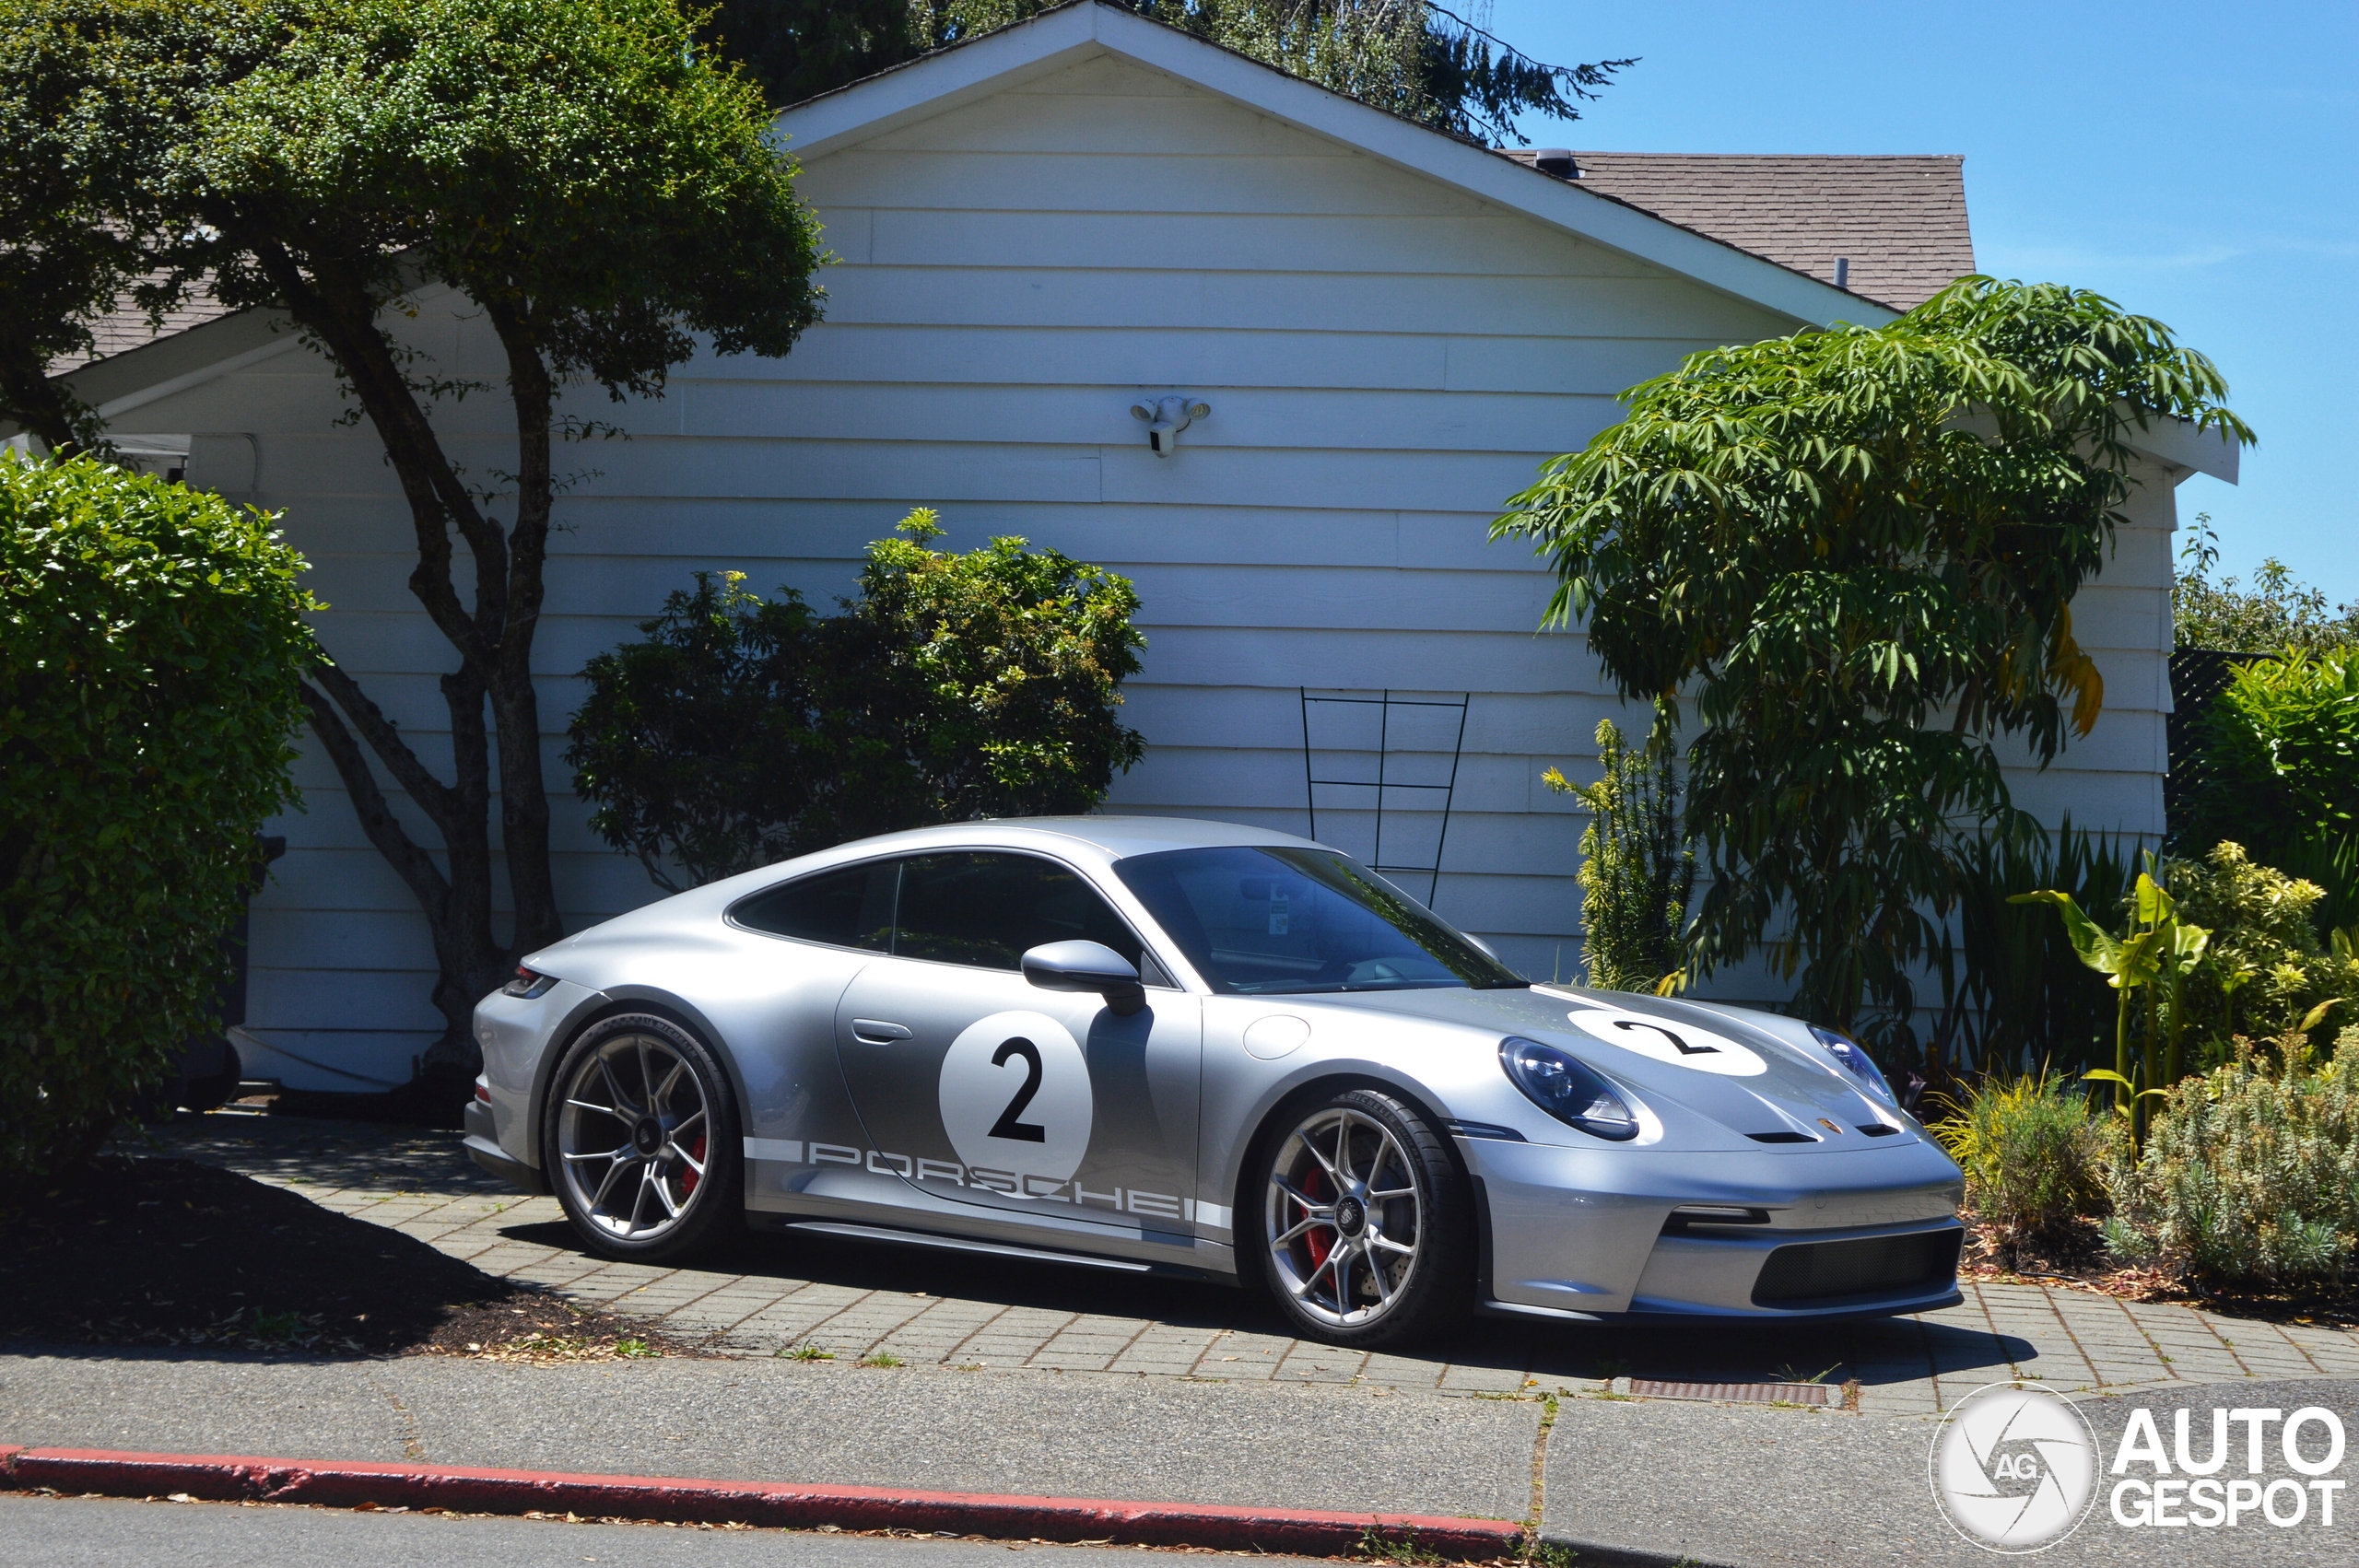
point(974, 1085)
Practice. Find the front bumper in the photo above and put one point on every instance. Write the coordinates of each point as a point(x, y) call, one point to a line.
point(1588, 1232)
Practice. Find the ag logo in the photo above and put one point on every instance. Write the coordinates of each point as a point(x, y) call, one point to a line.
point(1015, 1096)
point(1680, 1044)
point(2014, 1467)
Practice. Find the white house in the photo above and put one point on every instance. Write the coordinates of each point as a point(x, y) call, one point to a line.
point(1033, 233)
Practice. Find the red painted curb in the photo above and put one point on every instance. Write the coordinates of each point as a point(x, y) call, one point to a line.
point(344, 1484)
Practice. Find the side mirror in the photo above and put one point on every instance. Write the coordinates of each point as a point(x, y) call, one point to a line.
point(1087, 966)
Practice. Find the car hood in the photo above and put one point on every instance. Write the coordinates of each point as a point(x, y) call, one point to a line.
point(1755, 1073)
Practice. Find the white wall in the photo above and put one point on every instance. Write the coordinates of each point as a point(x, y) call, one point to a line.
point(1387, 360)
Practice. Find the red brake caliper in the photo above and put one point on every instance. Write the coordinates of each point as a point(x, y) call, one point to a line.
point(1321, 1243)
point(688, 1178)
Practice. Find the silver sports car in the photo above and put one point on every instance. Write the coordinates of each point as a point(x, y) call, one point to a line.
point(1146, 1043)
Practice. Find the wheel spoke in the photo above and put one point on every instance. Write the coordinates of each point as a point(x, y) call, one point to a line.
point(623, 1103)
point(664, 1195)
point(639, 1199)
point(646, 1075)
point(670, 1079)
point(599, 1154)
point(687, 1122)
point(606, 1184)
point(1310, 1223)
point(1388, 1245)
point(1310, 1205)
point(1343, 1257)
point(1395, 1192)
point(1324, 1162)
point(1343, 1165)
point(1311, 1279)
point(686, 1159)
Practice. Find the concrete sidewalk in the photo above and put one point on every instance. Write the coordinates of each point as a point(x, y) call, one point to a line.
point(1638, 1481)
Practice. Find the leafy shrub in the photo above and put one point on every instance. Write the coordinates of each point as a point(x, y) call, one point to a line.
point(742, 730)
point(2265, 969)
point(151, 653)
point(2251, 1176)
point(1637, 871)
point(2279, 772)
point(2015, 993)
point(2033, 1151)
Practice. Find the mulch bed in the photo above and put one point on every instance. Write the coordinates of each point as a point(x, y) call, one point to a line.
point(2081, 1261)
point(144, 1251)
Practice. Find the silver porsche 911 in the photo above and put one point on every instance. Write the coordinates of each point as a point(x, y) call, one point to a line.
point(1146, 1043)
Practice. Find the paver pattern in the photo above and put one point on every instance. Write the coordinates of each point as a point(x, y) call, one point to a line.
point(773, 1296)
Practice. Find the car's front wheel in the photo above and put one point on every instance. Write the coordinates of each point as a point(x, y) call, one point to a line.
point(1363, 1221)
point(641, 1139)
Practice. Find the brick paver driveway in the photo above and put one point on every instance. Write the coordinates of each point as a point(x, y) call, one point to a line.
point(770, 1296)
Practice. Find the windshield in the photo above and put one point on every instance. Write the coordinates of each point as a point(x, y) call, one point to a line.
point(1255, 921)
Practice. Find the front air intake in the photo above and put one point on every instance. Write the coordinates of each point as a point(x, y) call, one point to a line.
point(1821, 1273)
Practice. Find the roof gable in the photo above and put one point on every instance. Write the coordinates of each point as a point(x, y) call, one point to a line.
point(1059, 39)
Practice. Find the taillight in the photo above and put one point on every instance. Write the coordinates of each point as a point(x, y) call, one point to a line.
point(528, 985)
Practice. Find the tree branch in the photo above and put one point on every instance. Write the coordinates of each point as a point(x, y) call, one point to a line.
point(436, 799)
point(414, 865)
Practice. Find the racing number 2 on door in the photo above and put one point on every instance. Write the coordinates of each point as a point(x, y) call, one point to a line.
point(1007, 1126)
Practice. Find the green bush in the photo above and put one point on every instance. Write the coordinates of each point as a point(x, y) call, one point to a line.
point(2265, 969)
point(741, 730)
point(1637, 871)
point(151, 651)
point(2251, 1177)
point(2015, 992)
point(2034, 1152)
point(2279, 772)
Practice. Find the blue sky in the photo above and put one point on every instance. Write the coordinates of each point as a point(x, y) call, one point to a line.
point(2200, 164)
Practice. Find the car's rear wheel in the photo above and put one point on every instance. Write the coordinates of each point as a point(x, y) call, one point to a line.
point(641, 1140)
point(1363, 1221)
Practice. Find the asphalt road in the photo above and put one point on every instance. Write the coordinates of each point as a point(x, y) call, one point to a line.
point(70, 1532)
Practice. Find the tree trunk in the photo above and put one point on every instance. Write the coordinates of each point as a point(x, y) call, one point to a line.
point(493, 638)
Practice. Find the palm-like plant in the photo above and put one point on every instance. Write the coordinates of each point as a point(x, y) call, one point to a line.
point(2157, 953)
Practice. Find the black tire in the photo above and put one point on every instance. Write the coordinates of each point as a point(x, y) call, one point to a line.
point(660, 1096)
point(1397, 1191)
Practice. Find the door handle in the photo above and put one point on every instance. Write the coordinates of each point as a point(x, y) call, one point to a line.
point(875, 1031)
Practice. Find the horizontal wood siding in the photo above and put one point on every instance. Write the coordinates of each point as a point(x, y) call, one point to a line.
point(1387, 360)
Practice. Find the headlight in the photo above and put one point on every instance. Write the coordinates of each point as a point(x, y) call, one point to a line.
point(1567, 1089)
point(1849, 1053)
point(528, 985)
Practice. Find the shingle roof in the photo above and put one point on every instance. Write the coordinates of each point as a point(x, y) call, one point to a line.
point(127, 329)
point(1900, 220)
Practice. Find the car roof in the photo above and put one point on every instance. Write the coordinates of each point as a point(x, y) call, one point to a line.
point(1115, 838)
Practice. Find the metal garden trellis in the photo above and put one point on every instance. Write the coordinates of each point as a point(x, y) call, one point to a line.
point(1384, 783)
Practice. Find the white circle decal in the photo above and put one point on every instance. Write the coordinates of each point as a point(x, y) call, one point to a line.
point(2014, 1467)
point(1015, 1096)
point(1680, 1044)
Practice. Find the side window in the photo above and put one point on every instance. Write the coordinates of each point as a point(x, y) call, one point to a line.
point(987, 909)
point(852, 907)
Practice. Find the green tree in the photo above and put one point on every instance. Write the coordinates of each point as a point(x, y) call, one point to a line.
point(1855, 550)
point(2278, 772)
point(2272, 615)
point(1414, 58)
point(576, 169)
point(742, 730)
point(1637, 872)
point(152, 650)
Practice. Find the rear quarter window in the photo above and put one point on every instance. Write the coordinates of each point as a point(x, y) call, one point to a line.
point(852, 907)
